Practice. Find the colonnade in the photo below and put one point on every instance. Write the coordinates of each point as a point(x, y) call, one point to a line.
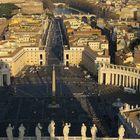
point(110, 74)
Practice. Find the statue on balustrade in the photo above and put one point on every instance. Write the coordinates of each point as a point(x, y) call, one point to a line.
point(83, 130)
point(121, 132)
point(93, 132)
point(66, 130)
point(51, 129)
point(9, 132)
point(21, 132)
point(38, 131)
point(127, 107)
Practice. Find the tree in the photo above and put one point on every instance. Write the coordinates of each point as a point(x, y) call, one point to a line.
point(6, 9)
point(48, 4)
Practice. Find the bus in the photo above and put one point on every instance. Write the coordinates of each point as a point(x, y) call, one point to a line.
point(129, 90)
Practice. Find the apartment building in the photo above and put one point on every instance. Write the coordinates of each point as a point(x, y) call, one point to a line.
point(24, 42)
point(80, 42)
point(91, 59)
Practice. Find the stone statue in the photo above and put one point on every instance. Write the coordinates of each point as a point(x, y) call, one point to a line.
point(21, 132)
point(93, 132)
point(66, 129)
point(38, 131)
point(121, 132)
point(51, 129)
point(9, 132)
point(83, 130)
point(127, 107)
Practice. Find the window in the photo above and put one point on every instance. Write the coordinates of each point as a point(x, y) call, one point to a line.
point(67, 56)
point(41, 63)
point(41, 56)
point(67, 63)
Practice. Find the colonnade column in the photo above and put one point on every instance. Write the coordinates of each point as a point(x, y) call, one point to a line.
point(134, 82)
point(1, 80)
point(100, 77)
point(123, 80)
point(139, 85)
point(116, 80)
point(107, 78)
point(8, 79)
point(120, 79)
point(130, 81)
point(128, 78)
point(112, 79)
point(126, 81)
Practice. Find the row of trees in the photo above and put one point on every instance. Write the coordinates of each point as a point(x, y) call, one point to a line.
point(87, 7)
point(48, 4)
point(78, 4)
point(7, 9)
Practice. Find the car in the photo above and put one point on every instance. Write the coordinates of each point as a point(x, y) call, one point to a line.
point(66, 68)
point(23, 76)
point(87, 76)
point(85, 72)
point(33, 71)
point(129, 90)
point(30, 71)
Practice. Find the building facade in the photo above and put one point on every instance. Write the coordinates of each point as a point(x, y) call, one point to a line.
point(23, 45)
point(12, 1)
point(110, 74)
point(137, 56)
point(4, 74)
point(92, 59)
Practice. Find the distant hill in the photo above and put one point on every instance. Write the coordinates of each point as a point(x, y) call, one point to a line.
point(12, 1)
point(26, 6)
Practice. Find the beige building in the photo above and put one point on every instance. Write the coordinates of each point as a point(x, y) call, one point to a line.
point(81, 36)
point(32, 7)
point(4, 74)
point(128, 12)
point(74, 52)
point(12, 1)
point(91, 59)
point(137, 57)
point(73, 55)
point(138, 14)
point(125, 76)
point(24, 42)
point(18, 57)
point(73, 23)
point(123, 37)
point(124, 57)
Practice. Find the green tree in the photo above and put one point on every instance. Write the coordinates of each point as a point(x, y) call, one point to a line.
point(48, 4)
point(6, 9)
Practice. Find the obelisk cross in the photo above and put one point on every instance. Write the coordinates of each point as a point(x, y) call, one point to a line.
point(53, 82)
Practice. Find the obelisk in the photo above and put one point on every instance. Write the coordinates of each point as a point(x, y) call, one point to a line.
point(53, 104)
point(53, 82)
